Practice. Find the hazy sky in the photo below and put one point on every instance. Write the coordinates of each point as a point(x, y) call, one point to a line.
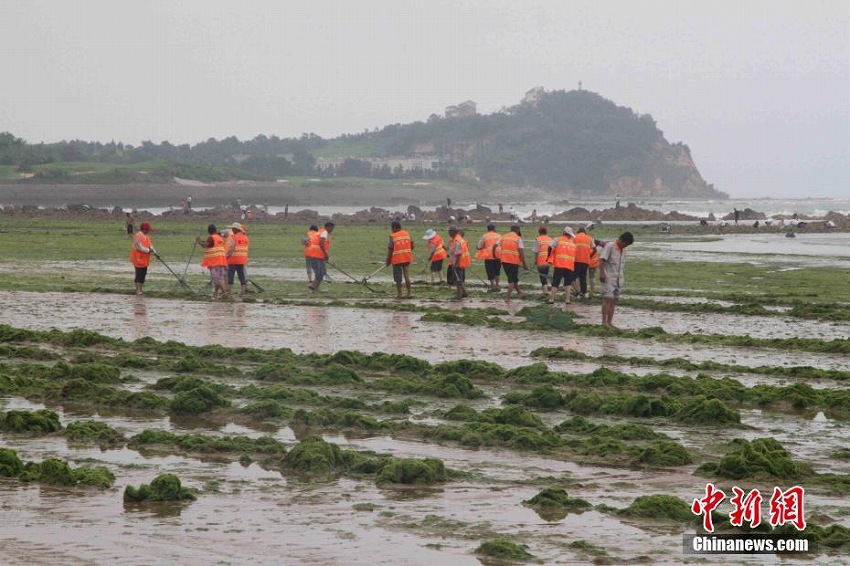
point(759, 90)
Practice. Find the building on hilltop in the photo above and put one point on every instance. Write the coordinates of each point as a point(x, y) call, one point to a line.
point(462, 110)
point(533, 96)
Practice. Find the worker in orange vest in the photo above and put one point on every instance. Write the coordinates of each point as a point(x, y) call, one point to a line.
point(541, 257)
point(140, 255)
point(458, 254)
point(319, 249)
point(236, 252)
point(512, 255)
point(400, 255)
point(312, 232)
point(488, 251)
point(436, 255)
point(214, 260)
point(584, 245)
point(562, 258)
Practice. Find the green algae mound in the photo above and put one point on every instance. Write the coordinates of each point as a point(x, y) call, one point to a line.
point(165, 487)
point(547, 317)
point(57, 472)
point(554, 503)
point(583, 426)
point(504, 550)
point(41, 421)
point(10, 465)
point(94, 432)
point(666, 453)
point(200, 399)
point(266, 409)
point(761, 456)
point(660, 507)
point(474, 369)
point(412, 471)
point(315, 456)
point(702, 410)
point(542, 397)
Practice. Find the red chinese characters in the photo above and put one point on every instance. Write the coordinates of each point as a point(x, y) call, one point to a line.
point(713, 498)
point(787, 507)
point(747, 508)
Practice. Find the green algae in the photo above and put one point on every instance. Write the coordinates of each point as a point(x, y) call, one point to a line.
point(401, 407)
point(542, 397)
point(412, 471)
point(94, 432)
point(338, 374)
point(666, 453)
point(379, 361)
point(329, 418)
point(266, 409)
point(504, 550)
point(445, 386)
point(200, 399)
point(180, 383)
point(487, 434)
point(53, 471)
point(312, 455)
point(702, 410)
point(581, 425)
point(554, 503)
point(11, 465)
point(547, 317)
point(205, 444)
point(473, 369)
point(41, 421)
point(761, 456)
point(165, 487)
point(82, 392)
point(281, 393)
point(660, 506)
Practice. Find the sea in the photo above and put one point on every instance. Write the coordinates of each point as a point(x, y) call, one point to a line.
point(771, 207)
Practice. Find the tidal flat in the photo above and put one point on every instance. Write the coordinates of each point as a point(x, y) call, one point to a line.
point(350, 428)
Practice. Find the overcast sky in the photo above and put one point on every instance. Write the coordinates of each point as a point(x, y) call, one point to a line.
point(759, 90)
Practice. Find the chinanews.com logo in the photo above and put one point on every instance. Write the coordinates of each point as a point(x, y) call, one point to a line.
point(785, 507)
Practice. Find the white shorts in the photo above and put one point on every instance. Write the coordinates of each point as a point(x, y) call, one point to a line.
point(610, 290)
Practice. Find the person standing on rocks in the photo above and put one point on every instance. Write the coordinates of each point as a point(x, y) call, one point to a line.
point(140, 255)
point(400, 256)
point(612, 263)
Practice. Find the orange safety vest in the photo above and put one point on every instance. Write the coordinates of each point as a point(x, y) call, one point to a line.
point(543, 242)
point(464, 260)
point(137, 258)
point(564, 255)
point(583, 243)
point(312, 249)
point(239, 256)
point(487, 252)
point(594, 258)
point(327, 240)
point(214, 256)
point(439, 250)
point(510, 249)
point(402, 247)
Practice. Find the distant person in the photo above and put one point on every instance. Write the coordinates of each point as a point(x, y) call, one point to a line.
point(612, 264)
point(737, 215)
point(311, 238)
point(512, 255)
point(488, 251)
point(436, 255)
point(534, 215)
point(130, 223)
point(617, 202)
point(458, 254)
point(189, 204)
point(214, 260)
point(236, 252)
point(286, 212)
point(501, 208)
point(448, 202)
point(140, 255)
point(400, 256)
point(541, 257)
point(756, 224)
point(830, 225)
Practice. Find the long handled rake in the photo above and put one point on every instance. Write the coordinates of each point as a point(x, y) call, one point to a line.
point(180, 279)
point(353, 278)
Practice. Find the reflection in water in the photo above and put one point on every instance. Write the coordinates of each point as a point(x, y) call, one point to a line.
point(141, 324)
point(399, 331)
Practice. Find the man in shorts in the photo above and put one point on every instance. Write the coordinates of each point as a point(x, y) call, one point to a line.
point(400, 255)
point(512, 255)
point(612, 263)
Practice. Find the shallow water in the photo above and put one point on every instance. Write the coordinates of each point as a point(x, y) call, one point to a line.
point(246, 514)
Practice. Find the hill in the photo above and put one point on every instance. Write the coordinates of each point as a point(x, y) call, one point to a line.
point(573, 143)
